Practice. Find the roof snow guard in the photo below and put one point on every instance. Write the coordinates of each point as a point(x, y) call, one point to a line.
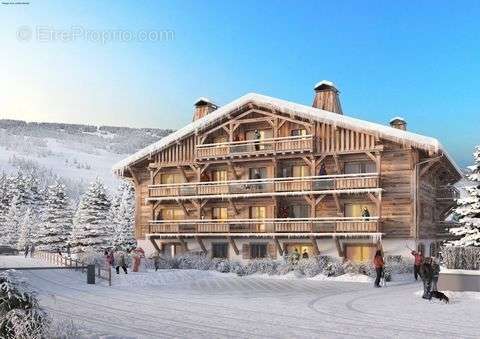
point(290, 108)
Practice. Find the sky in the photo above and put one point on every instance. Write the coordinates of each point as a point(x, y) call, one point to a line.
point(144, 63)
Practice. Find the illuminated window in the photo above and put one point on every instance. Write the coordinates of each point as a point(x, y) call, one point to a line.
point(172, 214)
point(171, 178)
point(258, 212)
point(220, 213)
point(356, 210)
point(300, 171)
point(220, 175)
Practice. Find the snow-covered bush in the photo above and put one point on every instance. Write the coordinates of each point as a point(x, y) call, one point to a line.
point(465, 258)
point(91, 257)
point(266, 266)
point(62, 328)
point(20, 314)
point(312, 266)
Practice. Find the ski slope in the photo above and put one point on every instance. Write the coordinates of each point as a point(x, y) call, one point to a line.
point(204, 304)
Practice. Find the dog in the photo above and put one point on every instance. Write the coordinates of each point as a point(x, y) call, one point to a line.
point(441, 296)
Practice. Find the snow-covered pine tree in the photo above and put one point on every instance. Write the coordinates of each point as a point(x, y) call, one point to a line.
point(25, 234)
point(56, 222)
point(19, 188)
point(5, 201)
point(90, 220)
point(12, 224)
point(468, 209)
point(124, 237)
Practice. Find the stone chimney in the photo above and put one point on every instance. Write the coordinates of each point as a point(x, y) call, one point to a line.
point(203, 106)
point(399, 123)
point(326, 97)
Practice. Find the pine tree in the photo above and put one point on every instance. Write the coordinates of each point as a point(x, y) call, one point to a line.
point(468, 209)
point(90, 221)
point(12, 225)
point(5, 201)
point(56, 222)
point(25, 234)
point(124, 219)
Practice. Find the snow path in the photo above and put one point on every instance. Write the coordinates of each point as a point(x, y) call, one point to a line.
point(201, 304)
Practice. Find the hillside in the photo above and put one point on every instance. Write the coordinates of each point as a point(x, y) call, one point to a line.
point(76, 153)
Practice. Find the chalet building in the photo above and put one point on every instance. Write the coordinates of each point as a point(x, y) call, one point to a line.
point(261, 176)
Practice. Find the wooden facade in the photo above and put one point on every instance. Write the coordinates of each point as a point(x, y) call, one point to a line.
point(260, 173)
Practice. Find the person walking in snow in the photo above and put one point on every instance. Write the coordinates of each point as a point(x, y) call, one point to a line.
point(435, 274)
point(121, 261)
point(418, 261)
point(426, 273)
point(110, 258)
point(26, 250)
point(32, 250)
point(68, 251)
point(379, 264)
point(156, 261)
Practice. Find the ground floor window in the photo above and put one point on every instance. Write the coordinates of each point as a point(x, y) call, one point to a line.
point(220, 250)
point(360, 252)
point(258, 251)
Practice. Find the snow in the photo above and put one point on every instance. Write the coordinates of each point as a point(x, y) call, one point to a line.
point(462, 272)
point(324, 82)
point(290, 108)
point(204, 99)
point(397, 118)
point(200, 304)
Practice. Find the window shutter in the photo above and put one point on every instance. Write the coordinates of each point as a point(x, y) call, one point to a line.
point(246, 251)
point(271, 250)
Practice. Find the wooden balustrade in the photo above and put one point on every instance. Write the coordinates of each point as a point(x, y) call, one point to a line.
point(302, 184)
point(447, 193)
point(249, 147)
point(309, 225)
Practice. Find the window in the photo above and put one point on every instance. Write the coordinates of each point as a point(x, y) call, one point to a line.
point(220, 175)
point(360, 167)
point(220, 250)
point(258, 173)
point(298, 211)
point(258, 212)
point(171, 178)
point(264, 134)
point(220, 213)
point(300, 171)
point(298, 132)
point(258, 251)
point(360, 252)
point(356, 210)
point(171, 214)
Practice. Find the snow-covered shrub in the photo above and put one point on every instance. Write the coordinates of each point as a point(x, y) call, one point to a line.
point(20, 314)
point(310, 267)
point(333, 269)
point(221, 265)
point(91, 257)
point(465, 258)
point(267, 266)
point(63, 328)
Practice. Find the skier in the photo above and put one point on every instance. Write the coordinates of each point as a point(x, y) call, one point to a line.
point(32, 250)
point(26, 250)
point(435, 274)
point(426, 273)
point(121, 261)
point(379, 264)
point(418, 261)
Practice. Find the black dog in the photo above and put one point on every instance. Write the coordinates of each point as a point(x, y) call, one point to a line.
point(441, 296)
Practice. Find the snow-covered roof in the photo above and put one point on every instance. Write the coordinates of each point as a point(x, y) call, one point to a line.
point(397, 119)
point(290, 108)
point(324, 83)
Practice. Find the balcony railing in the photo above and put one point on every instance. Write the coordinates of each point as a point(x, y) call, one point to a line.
point(277, 225)
point(447, 193)
point(302, 143)
point(267, 185)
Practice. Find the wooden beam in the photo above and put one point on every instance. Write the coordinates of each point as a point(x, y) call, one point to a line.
point(372, 198)
point(181, 203)
point(184, 244)
point(154, 207)
point(234, 246)
point(320, 198)
point(425, 169)
point(232, 205)
point(134, 176)
point(183, 173)
point(155, 245)
point(337, 203)
point(202, 245)
point(278, 246)
point(337, 164)
point(232, 168)
point(339, 247)
point(371, 156)
point(316, 250)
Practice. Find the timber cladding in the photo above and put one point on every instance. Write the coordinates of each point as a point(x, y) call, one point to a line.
point(257, 162)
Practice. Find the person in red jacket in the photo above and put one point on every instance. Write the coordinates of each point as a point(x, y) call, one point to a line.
point(418, 262)
point(379, 264)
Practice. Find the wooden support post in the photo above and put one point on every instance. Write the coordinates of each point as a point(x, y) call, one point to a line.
point(233, 206)
point(337, 164)
point(234, 246)
point(425, 169)
point(181, 203)
point(316, 250)
point(182, 170)
point(337, 203)
point(202, 245)
point(339, 247)
point(232, 168)
point(154, 243)
point(278, 246)
point(184, 243)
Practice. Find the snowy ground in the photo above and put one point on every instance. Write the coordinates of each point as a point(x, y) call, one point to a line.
point(194, 304)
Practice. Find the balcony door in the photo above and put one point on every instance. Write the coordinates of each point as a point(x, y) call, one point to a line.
point(219, 213)
point(360, 167)
point(171, 214)
point(171, 178)
point(355, 210)
point(259, 212)
point(262, 135)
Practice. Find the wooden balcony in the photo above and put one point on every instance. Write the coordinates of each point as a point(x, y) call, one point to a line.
point(447, 193)
point(294, 144)
point(264, 226)
point(275, 186)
